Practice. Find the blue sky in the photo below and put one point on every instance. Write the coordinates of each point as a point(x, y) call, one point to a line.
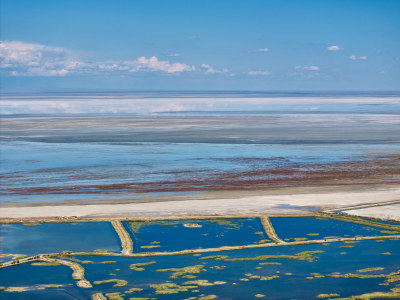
point(200, 45)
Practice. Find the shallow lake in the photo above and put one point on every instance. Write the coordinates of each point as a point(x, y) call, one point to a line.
point(293, 279)
point(312, 228)
point(175, 235)
point(57, 237)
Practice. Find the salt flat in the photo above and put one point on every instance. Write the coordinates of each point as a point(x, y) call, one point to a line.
point(385, 212)
point(271, 204)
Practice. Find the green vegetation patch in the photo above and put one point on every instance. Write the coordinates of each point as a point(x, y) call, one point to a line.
point(118, 282)
point(393, 294)
point(50, 286)
point(269, 277)
point(390, 278)
point(390, 232)
point(98, 296)
point(86, 262)
point(96, 251)
point(170, 288)
point(321, 296)
point(20, 256)
point(133, 290)
point(138, 266)
point(189, 276)
point(300, 239)
point(196, 269)
point(115, 296)
point(47, 264)
point(306, 255)
point(370, 269)
point(208, 297)
point(16, 289)
point(200, 282)
point(216, 257)
point(150, 246)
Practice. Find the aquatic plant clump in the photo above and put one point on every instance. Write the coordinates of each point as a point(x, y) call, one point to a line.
point(322, 296)
point(196, 269)
point(216, 257)
point(16, 289)
point(170, 288)
point(46, 264)
point(108, 262)
point(118, 282)
point(98, 296)
point(133, 290)
point(138, 266)
point(370, 269)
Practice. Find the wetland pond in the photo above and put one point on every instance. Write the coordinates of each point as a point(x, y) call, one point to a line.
point(175, 235)
point(289, 272)
point(57, 237)
point(321, 270)
point(313, 228)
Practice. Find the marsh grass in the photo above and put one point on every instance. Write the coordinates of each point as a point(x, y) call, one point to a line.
point(46, 264)
point(196, 269)
point(16, 289)
point(118, 282)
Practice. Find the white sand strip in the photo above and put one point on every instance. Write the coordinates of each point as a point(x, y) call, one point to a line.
point(279, 204)
point(384, 212)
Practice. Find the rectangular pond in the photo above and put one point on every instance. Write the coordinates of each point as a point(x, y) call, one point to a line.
point(176, 235)
point(314, 228)
point(57, 237)
point(280, 272)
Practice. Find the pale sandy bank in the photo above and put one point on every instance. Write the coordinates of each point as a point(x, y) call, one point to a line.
point(268, 204)
point(384, 212)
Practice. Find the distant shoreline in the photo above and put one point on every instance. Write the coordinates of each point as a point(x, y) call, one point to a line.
point(295, 204)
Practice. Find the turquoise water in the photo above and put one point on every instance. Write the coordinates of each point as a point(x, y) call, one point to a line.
point(174, 236)
point(34, 172)
point(315, 229)
point(57, 237)
point(26, 275)
point(334, 258)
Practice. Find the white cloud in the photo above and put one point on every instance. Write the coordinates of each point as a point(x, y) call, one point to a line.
point(307, 68)
point(35, 59)
point(24, 59)
point(258, 72)
point(153, 64)
point(211, 70)
point(353, 57)
point(259, 50)
point(334, 48)
point(172, 55)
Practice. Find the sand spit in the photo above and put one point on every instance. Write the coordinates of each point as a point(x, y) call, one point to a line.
point(269, 204)
point(384, 212)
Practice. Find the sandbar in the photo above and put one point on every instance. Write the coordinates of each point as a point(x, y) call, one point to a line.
point(250, 205)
